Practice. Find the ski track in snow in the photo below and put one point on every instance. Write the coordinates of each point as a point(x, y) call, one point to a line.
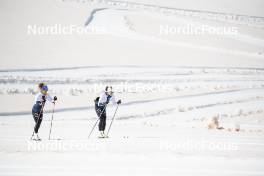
point(124, 30)
point(127, 104)
point(214, 81)
point(90, 18)
point(208, 15)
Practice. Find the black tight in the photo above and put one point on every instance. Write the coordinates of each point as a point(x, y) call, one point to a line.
point(101, 113)
point(38, 119)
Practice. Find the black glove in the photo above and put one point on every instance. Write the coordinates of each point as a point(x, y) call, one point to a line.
point(118, 102)
point(55, 98)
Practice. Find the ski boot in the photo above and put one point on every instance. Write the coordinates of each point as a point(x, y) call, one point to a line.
point(36, 137)
point(102, 135)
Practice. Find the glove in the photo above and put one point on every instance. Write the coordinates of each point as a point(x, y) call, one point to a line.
point(55, 98)
point(118, 102)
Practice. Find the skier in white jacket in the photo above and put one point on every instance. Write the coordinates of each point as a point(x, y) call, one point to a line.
point(37, 109)
point(100, 107)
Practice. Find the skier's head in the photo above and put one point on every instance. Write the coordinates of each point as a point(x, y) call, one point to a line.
point(109, 90)
point(44, 89)
point(40, 85)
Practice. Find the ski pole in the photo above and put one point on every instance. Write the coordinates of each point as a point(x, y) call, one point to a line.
point(41, 111)
point(51, 120)
point(112, 120)
point(97, 122)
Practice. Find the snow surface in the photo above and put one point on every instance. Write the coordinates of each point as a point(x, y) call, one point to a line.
point(192, 105)
point(155, 132)
point(125, 35)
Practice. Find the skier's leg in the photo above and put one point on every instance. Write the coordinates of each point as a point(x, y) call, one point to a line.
point(102, 121)
point(101, 124)
point(35, 116)
point(98, 111)
point(38, 123)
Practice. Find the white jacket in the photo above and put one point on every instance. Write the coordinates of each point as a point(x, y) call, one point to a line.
point(103, 99)
point(39, 96)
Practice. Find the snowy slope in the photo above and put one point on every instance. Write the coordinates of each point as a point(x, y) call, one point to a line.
point(21, 50)
point(154, 132)
point(191, 104)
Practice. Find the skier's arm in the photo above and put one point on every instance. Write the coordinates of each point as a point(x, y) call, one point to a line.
point(51, 98)
point(102, 100)
point(113, 100)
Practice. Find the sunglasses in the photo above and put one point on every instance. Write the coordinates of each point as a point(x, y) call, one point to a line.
point(44, 91)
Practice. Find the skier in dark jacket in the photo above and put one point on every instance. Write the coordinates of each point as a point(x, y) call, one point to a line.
point(37, 109)
point(100, 107)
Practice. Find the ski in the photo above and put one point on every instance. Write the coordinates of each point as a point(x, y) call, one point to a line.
point(36, 140)
point(103, 137)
